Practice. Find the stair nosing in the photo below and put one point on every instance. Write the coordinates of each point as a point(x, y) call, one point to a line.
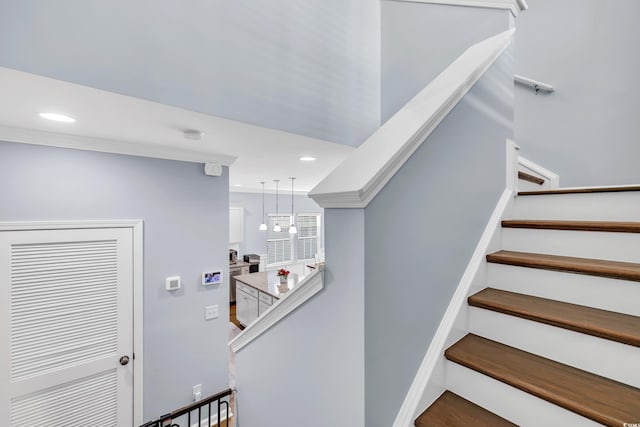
point(604, 226)
point(588, 266)
point(557, 393)
point(584, 190)
point(594, 326)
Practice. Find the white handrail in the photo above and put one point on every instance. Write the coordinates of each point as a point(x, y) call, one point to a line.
point(536, 85)
point(357, 180)
point(306, 288)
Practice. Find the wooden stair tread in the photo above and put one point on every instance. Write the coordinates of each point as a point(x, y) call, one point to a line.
point(531, 178)
point(614, 189)
point(593, 267)
point(618, 327)
point(608, 226)
point(451, 410)
point(600, 399)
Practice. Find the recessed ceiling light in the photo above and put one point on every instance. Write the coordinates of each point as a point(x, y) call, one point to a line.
point(57, 117)
point(307, 159)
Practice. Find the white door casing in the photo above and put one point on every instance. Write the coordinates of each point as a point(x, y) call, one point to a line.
point(67, 317)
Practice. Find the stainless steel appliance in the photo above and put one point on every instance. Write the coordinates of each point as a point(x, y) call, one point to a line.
point(233, 256)
point(254, 261)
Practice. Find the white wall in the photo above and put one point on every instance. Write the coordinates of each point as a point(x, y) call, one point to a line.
point(308, 370)
point(421, 231)
point(308, 67)
point(419, 40)
point(186, 228)
point(587, 131)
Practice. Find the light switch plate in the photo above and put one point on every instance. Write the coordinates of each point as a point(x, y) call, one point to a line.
point(211, 312)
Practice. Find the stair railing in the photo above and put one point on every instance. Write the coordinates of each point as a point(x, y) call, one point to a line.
point(199, 414)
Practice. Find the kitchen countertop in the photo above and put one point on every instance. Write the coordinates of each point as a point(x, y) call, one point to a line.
point(268, 282)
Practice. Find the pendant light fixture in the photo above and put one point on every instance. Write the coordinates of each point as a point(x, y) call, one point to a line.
point(292, 227)
point(277, 227)
point(263, 226)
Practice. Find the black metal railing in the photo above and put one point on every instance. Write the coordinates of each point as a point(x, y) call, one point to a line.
point(212, 411)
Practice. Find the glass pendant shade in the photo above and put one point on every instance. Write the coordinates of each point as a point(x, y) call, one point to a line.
point(263, 227)
point(277, 228)
point(293, 229)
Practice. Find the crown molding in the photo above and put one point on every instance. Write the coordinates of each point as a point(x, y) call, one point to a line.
point(515, 6)
point(132, 148)
point(357, 180)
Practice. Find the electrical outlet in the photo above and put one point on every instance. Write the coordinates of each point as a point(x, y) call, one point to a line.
point(197, 392)
point(211, 312)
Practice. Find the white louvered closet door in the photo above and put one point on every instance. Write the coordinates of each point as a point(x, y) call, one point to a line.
point(67, 318)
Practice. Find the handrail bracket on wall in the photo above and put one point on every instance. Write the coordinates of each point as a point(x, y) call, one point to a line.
point(534, 84)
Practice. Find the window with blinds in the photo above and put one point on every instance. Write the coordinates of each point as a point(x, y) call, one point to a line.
point(279, 244)
point(308, 233)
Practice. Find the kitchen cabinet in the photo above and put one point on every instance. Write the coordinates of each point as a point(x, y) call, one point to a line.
point(246, 304)
point(257, 292)
point(264, 303)
point(236, 225)
point(236, 270)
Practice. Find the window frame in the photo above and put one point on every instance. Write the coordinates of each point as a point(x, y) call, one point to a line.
point(290, 239)
point(294, 239)
point(318, 217)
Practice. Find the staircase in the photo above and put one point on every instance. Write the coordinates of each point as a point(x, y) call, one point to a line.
point(553, 338)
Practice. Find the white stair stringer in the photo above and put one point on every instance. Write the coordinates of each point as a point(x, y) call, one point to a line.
point(582, 351)
point(583, 244)
point(622, 296)
point(515, 405)
point(617, 206)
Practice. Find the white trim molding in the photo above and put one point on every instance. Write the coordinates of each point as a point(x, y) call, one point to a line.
point(131, 148)
point(358, 179)
point(414, 398)
point(515, 6)
point(136, 225)
point(552, 177)
point(307, 288)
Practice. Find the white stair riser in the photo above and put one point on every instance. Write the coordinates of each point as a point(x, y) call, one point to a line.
point(584, 244)
point(621, 206)
point(622, 296)
point(586, 352)
point(508, 402)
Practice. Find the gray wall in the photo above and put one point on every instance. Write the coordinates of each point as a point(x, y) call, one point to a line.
point(255, 241)
point(421, 231)
point(308, 370)
point(419, 40)
point(185, 232)
point(587, 131)
point(309, 67)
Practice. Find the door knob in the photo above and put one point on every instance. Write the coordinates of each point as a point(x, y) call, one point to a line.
point(124, 360)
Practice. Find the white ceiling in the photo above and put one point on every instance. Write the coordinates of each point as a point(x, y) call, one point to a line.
point(111, 122)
